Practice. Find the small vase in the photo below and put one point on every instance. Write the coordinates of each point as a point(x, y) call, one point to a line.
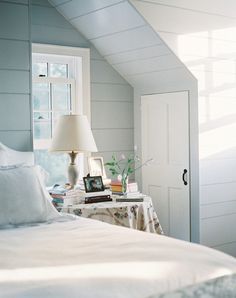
point(124, 182)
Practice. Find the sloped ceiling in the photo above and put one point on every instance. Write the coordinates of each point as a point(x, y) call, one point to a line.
point(124, 39)
point(187, 16)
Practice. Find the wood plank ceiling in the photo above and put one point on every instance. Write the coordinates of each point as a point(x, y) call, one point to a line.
point(124, 39)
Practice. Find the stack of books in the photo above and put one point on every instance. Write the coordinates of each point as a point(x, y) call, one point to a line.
point(63, 198)
point(97, 197)
point(131, 191)
point(116, 187)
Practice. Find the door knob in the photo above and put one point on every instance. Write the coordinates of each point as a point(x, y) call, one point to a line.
point(184, 176)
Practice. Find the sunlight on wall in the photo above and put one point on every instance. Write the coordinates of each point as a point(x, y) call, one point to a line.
point(214, 141)
point(211, 57)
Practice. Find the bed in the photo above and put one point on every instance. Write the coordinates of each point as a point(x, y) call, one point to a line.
point(68, 256)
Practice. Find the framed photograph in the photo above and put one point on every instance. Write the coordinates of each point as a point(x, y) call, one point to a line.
point(96, 167)
point(93, 183)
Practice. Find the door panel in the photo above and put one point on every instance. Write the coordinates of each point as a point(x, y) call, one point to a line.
point(165, 138)
point(157, 193)
point(178, 204)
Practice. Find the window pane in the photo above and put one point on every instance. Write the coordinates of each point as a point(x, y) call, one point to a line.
point(61, 97)
point(42, 125)
point(58, 70)
point(55, 164)
point(40, 69)
point(41, 96)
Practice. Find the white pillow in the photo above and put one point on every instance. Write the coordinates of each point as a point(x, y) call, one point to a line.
point(9, 156)
point(3, 158)
point(23, 198)
point(8, 167)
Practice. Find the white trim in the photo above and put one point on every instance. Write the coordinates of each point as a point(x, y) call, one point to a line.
point(42, 144)
point(84, 71)
point(53, 80)
point(69, 60)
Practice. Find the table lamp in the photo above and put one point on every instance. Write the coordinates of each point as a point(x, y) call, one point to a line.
point(73, 134)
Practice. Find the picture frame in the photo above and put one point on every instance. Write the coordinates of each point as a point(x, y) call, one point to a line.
point(93, 183)
point(96, 166)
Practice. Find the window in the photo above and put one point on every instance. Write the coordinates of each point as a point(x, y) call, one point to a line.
point(57, 89)
point(53, 94)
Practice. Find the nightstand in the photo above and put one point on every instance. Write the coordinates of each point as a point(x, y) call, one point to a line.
point(136, 215)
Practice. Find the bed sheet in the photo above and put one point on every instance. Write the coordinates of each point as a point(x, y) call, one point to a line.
point(220, 287)
point(86, 258)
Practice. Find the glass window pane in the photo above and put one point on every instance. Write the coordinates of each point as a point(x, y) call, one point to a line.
point(42, 125)
point(61, 97)
point(55, 164)
point(41, 94)
point(40, 69)
point(58, 70)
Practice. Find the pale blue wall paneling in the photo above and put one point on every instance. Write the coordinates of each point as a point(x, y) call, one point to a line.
point(217, 210)
point(14, 112)
point(109, 91)
point(14, 21)
point(41, 2)
point(58, 36)
point(14, 81)
point(10, 51)
point(102, 72)
point(51, 17)
point(48, 26)
point(112, 140)
point(17, 1)
point(117, 114)
point(18, 140)
point(216, 193)
point(15, 106)
point(94, 54)
point(228, 248)
point(108, 156)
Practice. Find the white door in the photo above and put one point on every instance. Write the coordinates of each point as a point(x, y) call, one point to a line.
point(165, 138)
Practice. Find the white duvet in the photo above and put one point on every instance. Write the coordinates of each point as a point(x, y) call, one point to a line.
point(87, 258)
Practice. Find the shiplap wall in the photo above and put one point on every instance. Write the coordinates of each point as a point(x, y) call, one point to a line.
point(203, 36)
point(111, 95)
point(15, 47)
point(137, 52)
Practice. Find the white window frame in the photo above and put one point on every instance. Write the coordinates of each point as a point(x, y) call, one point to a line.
point(71, 62)
point(82, 87)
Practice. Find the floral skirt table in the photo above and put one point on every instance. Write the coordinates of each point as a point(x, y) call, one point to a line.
point(136, 215)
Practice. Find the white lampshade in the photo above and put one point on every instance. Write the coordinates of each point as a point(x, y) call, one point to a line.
point(73, 133)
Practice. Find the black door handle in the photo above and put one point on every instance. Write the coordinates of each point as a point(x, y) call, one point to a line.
point(183, 177)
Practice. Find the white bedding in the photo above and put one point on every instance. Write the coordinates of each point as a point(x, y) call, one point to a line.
point(87, 258)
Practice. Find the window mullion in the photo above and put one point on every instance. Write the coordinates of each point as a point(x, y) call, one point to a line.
point(51, 106)
point(53, 80)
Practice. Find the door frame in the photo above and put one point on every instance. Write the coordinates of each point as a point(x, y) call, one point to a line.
point(193, 159)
